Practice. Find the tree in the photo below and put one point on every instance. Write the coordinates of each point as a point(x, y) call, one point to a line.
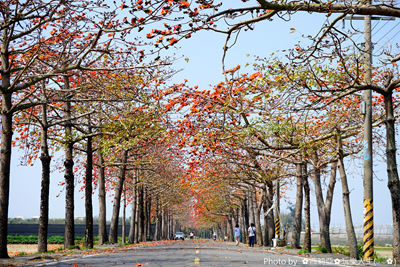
point(265, 10)
point(43, 39)
point(26, 59)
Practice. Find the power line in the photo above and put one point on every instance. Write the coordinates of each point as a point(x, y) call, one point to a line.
point(380, 27)
point(389, 39)
point(388, 32)
point(376, 24)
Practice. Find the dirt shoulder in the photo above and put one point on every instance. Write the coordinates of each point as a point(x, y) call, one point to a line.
point(27, 253)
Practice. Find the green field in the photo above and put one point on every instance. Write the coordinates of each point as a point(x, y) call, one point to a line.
point(33, 239)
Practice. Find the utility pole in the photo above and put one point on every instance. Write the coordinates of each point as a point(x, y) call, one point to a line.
point(366, 110)
point(368, 229)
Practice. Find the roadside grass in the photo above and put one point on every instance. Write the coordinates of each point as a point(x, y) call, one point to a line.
point(383, 248)
point(381, 253)
point(25, 244)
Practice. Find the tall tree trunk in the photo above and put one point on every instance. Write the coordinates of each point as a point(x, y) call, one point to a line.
point(270, 215)
point(131, 238)
point(307, 233)
point(242, 221)
point(245, 219)
point(295, 239)
point(351, 235)
point(144, 214)
point(251, 205)
point(69, 233)
point(257, 214)
point(229, 227)
point(159, 224)
point(393, 176)
point(265, 210)
point(45, 184)
point(286, 232)
point(5, 153)
point(237, 215)
point(328, 202)
point(123, 220)
point(137, 214)
point(168, 221)
point(158, 220)
point(169, 224)
point(259, 236)
point(145, 218)
point(163, 224)
point(89, 193)
point(102, 202)
point(324, 207)
point(148, 216)
point(141, 214)
point(113, 237)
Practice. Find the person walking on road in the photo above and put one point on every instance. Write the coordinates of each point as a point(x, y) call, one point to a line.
point(237, 234)
point(252, 235)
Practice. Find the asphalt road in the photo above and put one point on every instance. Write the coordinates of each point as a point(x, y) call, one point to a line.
point(191, 253)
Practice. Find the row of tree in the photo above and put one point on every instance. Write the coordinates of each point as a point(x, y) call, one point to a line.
point(287, 120)
point(77, 77)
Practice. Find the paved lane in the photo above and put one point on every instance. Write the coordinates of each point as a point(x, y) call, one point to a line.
point(191, 253)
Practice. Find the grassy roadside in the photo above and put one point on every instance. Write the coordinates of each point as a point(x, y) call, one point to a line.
point(30, 248)
point(381, 253)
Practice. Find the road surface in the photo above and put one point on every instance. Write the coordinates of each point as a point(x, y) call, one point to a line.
point(192, 253)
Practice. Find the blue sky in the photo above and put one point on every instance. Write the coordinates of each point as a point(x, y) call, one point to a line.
point(204, 51)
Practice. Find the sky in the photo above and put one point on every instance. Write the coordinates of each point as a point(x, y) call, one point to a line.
point(203, 68)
